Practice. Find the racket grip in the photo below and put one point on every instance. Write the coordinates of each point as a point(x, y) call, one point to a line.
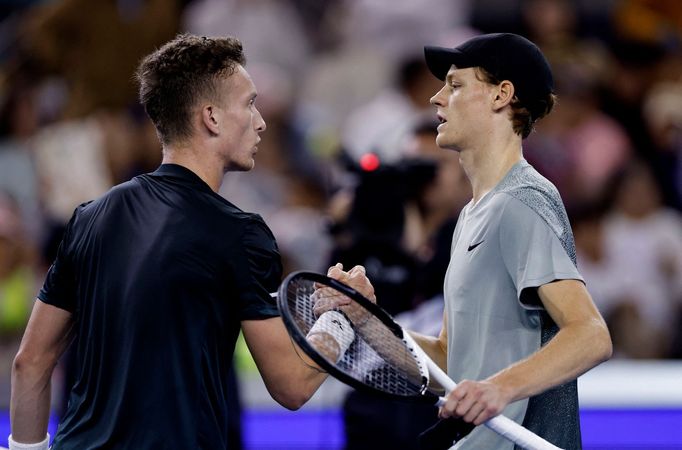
point(334, 324)
point(502, 425)
point(511, 430)
point(521, 436)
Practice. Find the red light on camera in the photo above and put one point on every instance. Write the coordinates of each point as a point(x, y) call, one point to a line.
point(369, 162)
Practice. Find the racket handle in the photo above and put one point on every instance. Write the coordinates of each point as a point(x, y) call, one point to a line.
point(502, 425)
point(511, 430)
point(521, 436)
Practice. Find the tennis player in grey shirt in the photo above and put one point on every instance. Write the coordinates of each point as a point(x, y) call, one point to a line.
point(519, 325)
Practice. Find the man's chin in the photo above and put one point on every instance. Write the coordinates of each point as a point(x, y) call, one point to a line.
point(442, 142)
point(241, 167)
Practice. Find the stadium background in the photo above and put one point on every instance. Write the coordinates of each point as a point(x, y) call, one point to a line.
point(343, 90)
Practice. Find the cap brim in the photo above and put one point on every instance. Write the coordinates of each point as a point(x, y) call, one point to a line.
point(440, 59)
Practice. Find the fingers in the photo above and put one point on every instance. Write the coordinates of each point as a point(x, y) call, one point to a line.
point(454, 401)
point(359, 281)
point(357, 271)
point(336, 271)
point(474, 402)
point(355, 277)
point(326, 299)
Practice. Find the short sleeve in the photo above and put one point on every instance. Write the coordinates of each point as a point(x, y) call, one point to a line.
point(59, 288)
point(532, 251)
point(258, 272)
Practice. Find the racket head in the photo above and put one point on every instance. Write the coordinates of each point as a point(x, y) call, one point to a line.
point(379, 361)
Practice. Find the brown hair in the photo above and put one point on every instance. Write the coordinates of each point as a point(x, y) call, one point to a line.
point(179, 74)
point(522, 121)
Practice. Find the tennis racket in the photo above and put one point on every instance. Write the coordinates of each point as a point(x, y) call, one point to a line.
point(358, 343)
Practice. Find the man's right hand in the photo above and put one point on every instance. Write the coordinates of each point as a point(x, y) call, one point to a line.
point(329, 299)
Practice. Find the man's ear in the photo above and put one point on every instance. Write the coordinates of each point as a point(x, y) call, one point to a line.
point(209, 118)
point(504, 94)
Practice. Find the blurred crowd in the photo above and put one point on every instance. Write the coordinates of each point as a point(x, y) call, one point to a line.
point(348, 169)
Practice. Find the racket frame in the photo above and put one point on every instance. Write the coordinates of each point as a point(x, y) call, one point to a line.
point(425, 396)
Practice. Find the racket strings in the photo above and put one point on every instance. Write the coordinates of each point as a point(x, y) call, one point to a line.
point(377, 357)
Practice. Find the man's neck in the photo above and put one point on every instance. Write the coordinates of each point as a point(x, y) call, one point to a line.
point(201, 163)
point(486, 166)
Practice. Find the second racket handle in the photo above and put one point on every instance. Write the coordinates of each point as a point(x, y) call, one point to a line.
point(502, 425)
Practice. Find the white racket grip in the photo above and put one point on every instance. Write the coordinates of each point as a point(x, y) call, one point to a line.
point(337, 326)
point(502, 425)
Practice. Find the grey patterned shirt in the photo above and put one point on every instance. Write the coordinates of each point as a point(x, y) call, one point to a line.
point(515, 239)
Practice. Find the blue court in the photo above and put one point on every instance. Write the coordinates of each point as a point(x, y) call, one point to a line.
point(603, 429)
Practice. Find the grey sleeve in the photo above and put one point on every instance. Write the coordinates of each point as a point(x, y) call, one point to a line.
point(532, 252)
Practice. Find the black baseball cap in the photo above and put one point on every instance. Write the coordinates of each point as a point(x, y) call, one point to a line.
point(506, 56)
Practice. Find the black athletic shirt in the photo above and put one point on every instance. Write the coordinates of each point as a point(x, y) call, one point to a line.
point(158, 274)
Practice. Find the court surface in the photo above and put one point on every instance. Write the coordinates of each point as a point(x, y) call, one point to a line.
point(603, 429)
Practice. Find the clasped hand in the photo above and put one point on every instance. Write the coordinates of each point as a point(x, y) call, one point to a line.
point(327, 298)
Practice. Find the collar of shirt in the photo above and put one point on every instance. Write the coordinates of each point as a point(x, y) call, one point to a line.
point(182, 173)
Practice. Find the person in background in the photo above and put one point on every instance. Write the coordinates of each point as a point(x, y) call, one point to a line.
point(18, 282)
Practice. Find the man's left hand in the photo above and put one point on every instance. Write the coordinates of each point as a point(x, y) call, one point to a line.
point(475, 401)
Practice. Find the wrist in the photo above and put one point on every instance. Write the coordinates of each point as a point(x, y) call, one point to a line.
point(508, 389)
point(43, 445)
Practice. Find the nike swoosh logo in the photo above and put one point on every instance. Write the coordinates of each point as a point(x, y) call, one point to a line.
point(471, 247)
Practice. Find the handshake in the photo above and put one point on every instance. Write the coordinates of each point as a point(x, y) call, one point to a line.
point(337, 315)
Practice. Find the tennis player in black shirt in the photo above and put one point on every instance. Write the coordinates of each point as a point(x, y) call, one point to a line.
point(154, 280)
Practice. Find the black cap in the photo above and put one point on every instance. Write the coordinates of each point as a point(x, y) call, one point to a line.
point(506, 56)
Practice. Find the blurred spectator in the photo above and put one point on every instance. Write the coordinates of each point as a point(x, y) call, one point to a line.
point(95, 46)
point(374, 101)
point(399, 28)
point(555, 26)
point(380, 125)
point(578, 147)
point(130, 145)
point(18, 285)
point(644, 241)
point(335, 84)
point(633, 260)
point(587, 222)
point(441, 200)
point(71, 160)
point(633, 73)
point(271, 30)
point(18, 123)
point(653, 21)
point(550, 23)
point(663, 119)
